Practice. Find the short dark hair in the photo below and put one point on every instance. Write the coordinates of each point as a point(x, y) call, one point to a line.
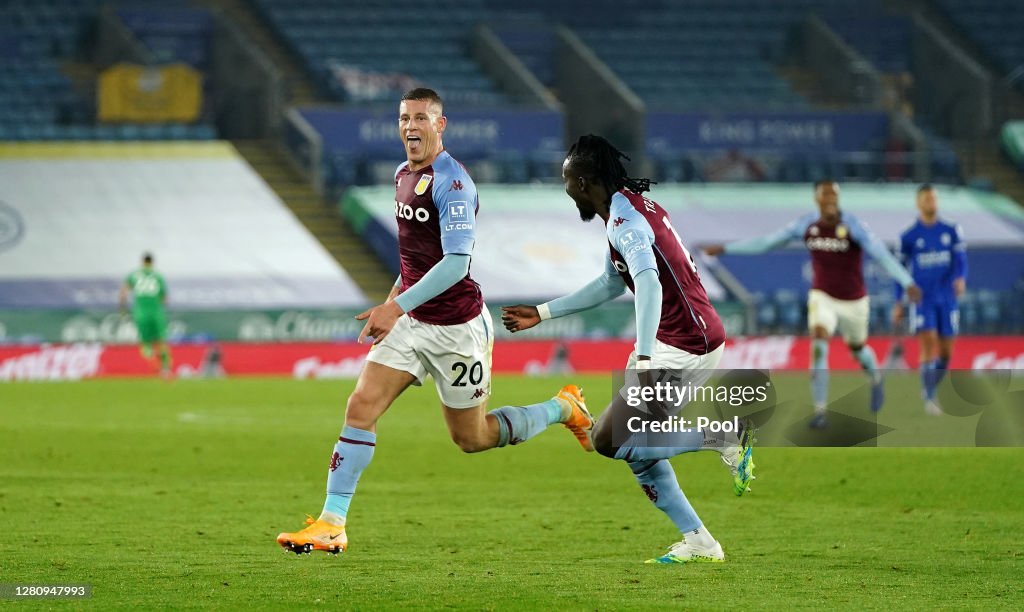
point(423, 93)
point(823, 181)
point(597, 158)
point(147, 258)
point(925, 187)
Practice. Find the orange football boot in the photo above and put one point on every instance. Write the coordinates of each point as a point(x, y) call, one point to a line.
point(319, 535)
point(579, 421)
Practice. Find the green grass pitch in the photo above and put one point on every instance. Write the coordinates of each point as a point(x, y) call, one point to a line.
point(170, 495)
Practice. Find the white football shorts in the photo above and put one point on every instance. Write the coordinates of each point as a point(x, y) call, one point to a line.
point(457, 356)
point(692, 369)
point(850, 317)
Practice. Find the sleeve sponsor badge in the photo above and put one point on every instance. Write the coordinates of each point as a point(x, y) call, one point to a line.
point(458, 211)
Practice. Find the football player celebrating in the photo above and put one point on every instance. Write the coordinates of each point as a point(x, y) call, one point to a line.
point(677, 329)
point(433, 322)
point(838, 298)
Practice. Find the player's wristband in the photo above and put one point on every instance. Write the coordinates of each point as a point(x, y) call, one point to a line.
point(544, 311)
point(642, 364)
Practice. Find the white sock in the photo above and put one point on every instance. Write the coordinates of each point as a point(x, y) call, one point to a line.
point(700, 537)
point(332, 518)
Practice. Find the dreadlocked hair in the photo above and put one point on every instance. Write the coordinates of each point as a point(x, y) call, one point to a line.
point(596, 157)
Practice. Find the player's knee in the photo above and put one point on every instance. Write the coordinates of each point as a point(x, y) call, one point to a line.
point(469, 442)
point(603, 442)
point(361, 410)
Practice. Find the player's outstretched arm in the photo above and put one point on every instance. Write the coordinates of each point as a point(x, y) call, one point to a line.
point(959, 262)
point(762, 244)
point(606, 287)
point(878, 251)
point(519, 317)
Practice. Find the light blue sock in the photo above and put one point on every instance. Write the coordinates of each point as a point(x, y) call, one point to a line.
point(658, 481)
point(928, 379)
point(868, 361)
point(352, 454)
point(941, 367)
point(635, 450)
point(819, 373)
point(517, 424)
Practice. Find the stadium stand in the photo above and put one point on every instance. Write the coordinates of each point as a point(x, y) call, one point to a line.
point(173, 34)
point(533, 41)
point(707, 71)
point(38, 101)
point(997, 26)
point(702, 56)
point(883, 39)
point(695, 56)
point(366, 55)
point(724, 60)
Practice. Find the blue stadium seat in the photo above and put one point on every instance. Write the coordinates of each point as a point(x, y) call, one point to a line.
point(990, 310)
point(767, 314)
point(790, 310)
point(970, 317)
point(129, 131)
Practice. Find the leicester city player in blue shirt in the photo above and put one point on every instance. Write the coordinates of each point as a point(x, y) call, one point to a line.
point(935, 252)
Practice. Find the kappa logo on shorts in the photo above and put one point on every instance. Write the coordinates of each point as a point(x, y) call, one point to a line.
point(479, 393)
point(421, 186)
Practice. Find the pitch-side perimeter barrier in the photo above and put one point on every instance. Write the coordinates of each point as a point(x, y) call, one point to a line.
point(344, 360)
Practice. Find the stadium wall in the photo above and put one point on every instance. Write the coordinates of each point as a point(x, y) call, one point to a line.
point(613, 321)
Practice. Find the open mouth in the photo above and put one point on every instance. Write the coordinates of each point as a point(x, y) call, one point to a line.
point(413, 142)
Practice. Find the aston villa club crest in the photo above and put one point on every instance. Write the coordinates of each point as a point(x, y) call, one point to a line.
point(841, 231)
point(421, 187)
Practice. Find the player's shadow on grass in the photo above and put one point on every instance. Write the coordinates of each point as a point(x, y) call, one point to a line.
point(842, 430)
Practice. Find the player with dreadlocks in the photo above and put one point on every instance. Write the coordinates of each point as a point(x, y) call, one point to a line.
point(677, 330)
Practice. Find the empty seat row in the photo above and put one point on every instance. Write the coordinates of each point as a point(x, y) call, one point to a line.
point(49, 132)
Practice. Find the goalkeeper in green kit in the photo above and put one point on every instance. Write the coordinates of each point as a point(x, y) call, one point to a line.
point(149, 293)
